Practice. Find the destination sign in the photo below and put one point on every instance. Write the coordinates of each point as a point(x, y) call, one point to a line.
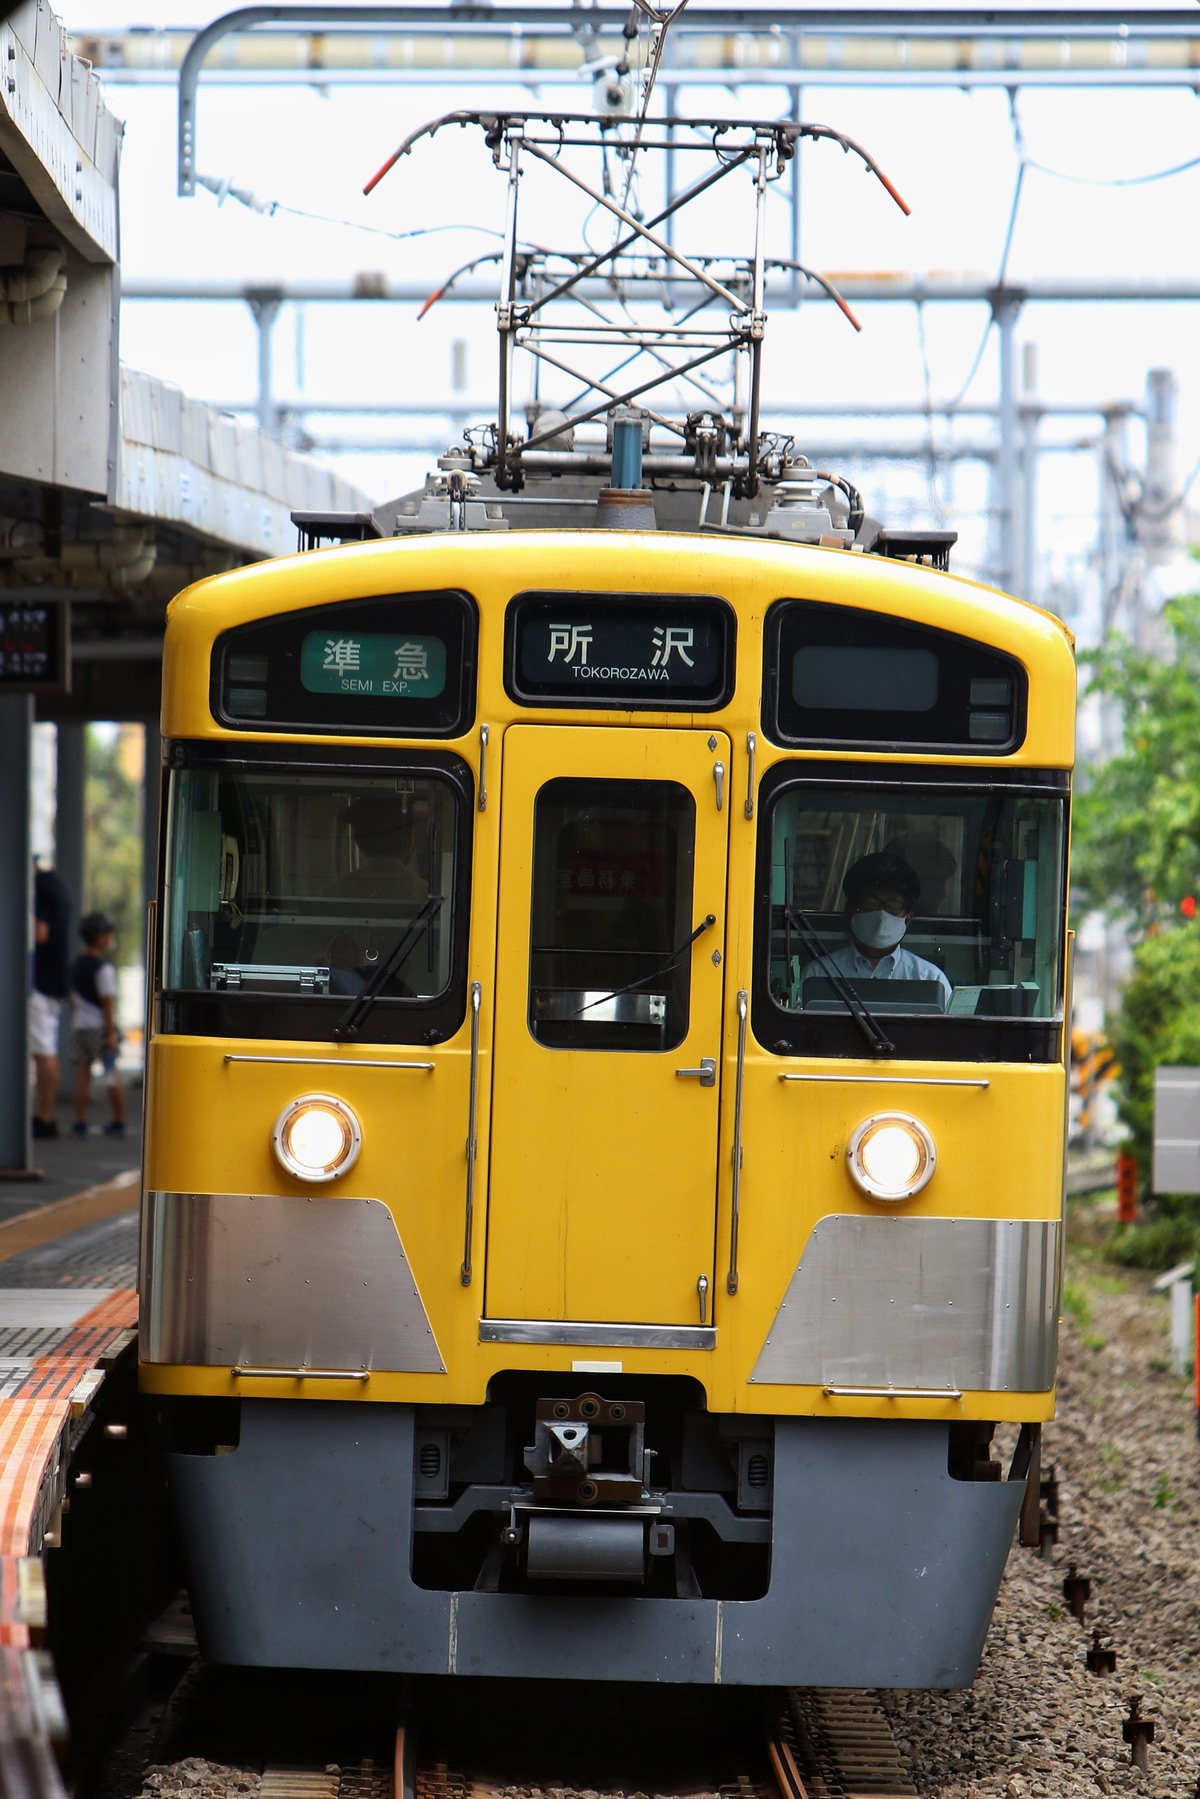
point(606, 650)
point(391, 665)
point(368, 663)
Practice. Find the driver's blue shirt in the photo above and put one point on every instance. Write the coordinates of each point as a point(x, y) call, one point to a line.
point(899, 964)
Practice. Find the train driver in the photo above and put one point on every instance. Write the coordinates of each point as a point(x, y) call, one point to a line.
point(386, 835)
point(881, 892)
point(385, 832)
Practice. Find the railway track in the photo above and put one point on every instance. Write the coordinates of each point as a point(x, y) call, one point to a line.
point(827, 1744)
point(841, 1739)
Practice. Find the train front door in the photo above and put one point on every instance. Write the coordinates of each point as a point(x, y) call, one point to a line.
point(607, 1063)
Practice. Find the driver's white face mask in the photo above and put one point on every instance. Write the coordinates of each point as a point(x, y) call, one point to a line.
point(879, 930)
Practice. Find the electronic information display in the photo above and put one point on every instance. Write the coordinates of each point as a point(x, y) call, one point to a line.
point(32, 647)
point(667, 653)
point(843, 676)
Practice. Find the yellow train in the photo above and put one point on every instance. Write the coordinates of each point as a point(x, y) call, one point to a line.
point(606, 1099)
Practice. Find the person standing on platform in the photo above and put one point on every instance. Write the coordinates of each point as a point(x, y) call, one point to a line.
point(51, 970)
point(94, 1033)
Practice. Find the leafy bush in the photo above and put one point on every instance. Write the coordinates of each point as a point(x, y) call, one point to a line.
point(1136, 856)
point(113, 834)
point(1136, 849)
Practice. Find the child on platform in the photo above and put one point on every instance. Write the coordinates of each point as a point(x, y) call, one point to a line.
point(94, 1034)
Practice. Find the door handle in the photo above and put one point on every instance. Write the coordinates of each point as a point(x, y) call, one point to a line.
point(702, 1290)
point(706, 1074)
point(719, 778)
point(484, 737)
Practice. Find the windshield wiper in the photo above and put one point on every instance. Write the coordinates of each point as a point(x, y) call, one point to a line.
point(705, 924)
point(815, 950)
point(361, 1004)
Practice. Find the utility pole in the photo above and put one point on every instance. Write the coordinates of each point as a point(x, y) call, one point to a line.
point(1030, 420)
point(1005, 310)
point(1159, 524)
point(265, 305)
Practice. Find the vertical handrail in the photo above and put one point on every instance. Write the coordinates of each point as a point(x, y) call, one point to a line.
point(484, 735)
point(731, 1279)
point(751, 746)
point(148, 996)
point(472, 1135)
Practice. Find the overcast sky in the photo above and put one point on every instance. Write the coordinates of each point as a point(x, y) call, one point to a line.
point(951, 153)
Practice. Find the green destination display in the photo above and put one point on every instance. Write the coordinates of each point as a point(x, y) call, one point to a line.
point(373, 665)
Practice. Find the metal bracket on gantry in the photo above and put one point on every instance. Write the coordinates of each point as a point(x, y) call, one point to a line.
point(556, 306)
point(245, 19)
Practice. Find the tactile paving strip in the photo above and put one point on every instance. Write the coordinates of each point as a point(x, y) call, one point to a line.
point(99, 1255)
point(23, 1342)
point(63, 1306)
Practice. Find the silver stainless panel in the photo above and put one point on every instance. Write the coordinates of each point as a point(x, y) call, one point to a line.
point(584, 1548)
point(931, 1303)
point(617, 1336)
point(268, 1281)
point(1177, 1130)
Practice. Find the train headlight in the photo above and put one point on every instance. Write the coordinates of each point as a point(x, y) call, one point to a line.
point(317, 1137)
point(891, 1156)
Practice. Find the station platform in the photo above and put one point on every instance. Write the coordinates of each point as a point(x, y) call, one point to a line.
point(68, 1318)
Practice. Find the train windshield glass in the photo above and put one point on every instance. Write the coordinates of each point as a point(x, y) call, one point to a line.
point(940, 905)
point(612, 893)
point(299, 884)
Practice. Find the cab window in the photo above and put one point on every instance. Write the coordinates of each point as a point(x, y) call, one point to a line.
point(287, 890)
point(939, 907)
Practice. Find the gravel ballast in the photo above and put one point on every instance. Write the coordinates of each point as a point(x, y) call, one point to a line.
point(1037, 1722)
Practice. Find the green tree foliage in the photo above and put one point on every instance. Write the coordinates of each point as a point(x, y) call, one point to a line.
point(113, 843)
point(1136, 854)
point(1136, 848)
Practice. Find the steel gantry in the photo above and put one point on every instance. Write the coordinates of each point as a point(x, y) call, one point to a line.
point(711, 45)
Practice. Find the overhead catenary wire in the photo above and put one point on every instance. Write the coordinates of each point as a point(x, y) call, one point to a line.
point(655, 60)
point(1179, 168)
point(1004, 254)
point(223, 188)
point(1027, 162)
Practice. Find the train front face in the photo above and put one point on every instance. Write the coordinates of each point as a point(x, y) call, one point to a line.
point(606, 1106)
